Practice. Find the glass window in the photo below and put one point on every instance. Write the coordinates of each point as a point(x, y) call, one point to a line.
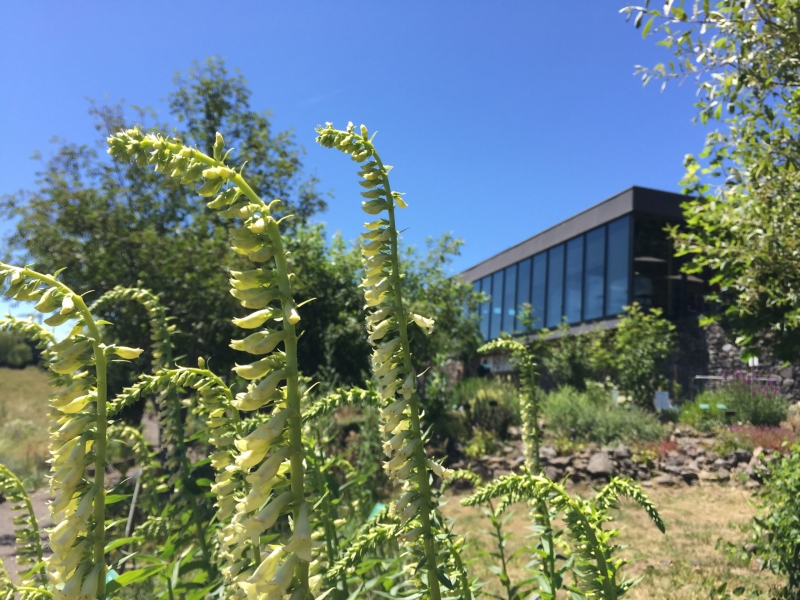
point(555, 285)
point(538, 287)
point(573, 288)
point(655, 278)
point(617, 268)
point(486, 284)
point(594, 274)
point(497, 305)
point(509, 299)
point(523, 287)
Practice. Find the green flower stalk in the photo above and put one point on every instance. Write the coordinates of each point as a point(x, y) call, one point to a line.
point(78, 435)
point(274, 448)
point(387, 324)
point(26, 529)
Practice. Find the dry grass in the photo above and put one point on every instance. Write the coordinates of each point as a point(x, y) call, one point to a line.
point(23, 421)
point(679, 565)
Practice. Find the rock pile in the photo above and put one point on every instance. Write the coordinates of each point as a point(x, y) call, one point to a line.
point(692, 461)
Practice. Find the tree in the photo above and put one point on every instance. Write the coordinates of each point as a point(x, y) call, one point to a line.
point(111, 223)
point(642, 343)
point(743, 223)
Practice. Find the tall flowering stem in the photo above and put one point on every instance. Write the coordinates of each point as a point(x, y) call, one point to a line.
point(78, 435)
point(387, 323)
point(253, 490)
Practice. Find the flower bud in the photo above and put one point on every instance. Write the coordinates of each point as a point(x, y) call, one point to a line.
point(210, 187)
point(261, 342)
point(49, 301)
point(263, 254)
point(256, 319)
point(374, 207)
point(89, 587)
point(266, 570)
point(301, 542)
point(67, 304)
point(423, 322)
point(219, 146)
point(125, 352)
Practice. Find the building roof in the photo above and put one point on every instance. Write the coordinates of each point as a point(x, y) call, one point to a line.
point(634, 199)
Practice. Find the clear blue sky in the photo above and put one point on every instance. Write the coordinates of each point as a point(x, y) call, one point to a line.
point(501, 118)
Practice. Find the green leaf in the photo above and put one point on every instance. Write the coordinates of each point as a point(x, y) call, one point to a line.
point(136, 576)
point(123, 541)
point(114, 498)
point(648, 26)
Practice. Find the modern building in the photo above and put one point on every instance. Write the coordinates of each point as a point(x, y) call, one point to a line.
point(585, 269)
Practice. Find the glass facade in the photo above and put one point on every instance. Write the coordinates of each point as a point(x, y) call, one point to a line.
point(618, 268)
point(594, 274)
point(538, 288)
point(496, 316)
point(523, 288)
point(583, 279)
point(573, 281)
point(555, 286)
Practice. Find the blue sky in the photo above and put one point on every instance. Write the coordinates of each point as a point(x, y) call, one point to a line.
point(501, 118)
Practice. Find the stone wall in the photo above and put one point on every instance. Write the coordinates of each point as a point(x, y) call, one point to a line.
point(725, 358)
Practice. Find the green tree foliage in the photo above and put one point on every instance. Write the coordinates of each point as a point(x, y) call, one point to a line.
point(111, 223)
point(743, 223)
point(14, 351)
point(642, 344)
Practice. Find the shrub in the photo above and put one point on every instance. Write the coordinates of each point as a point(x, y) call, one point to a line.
point(703, 419)
point(751, 401)
point(749, 437)
point(14, 351)
point(491, 404)
point(592, 417)
point(483, 442)
point(776, 527)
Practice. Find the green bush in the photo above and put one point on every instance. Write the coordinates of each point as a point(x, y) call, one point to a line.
point(750, 401)
point(483, 442)
point(491, 404)
point(703, 419)
point(14, 351)
point(592, 417)
point(776, 527)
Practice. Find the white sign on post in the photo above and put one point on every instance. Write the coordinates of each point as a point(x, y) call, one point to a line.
point(662, 401)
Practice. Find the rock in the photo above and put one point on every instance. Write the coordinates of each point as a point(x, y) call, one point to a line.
point(707, 476)
point(647, 483)
point(514, 432)
point(674, 469)
point(580, 464)
point(665, 479)
point(752, 485)
point(622, 452)
point(516, 463)
point(600, 465)
point(547, 453)
point(689, 476)
point(560, 461)
point(552, 473)
point(723, 474)
point(711, 456)
point(742, 455)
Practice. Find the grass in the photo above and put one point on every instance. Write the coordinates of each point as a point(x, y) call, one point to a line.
point(679, 565)
point(24, 422)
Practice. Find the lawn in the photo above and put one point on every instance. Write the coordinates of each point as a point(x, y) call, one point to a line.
point(679, 565)
point(24, 421)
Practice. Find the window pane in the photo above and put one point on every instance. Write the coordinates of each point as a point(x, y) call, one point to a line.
point(497, 305)
point(486, 284)
point(523, 287)
point(574, 274)
point(593, 274)
point(555, 285)
point(509, 298)
point(618, 262)
point(538, 286)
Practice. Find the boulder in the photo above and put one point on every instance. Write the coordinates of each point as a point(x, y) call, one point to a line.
point(547, 453)
point(665, 479)
point(723, 474)
point(560, 461)
point(689, 476)
point(622, 452)
point(553, 474)
point(600, 465)
point(707, 476)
